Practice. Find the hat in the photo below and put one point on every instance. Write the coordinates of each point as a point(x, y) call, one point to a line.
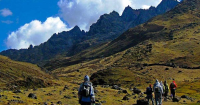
point(86, 78)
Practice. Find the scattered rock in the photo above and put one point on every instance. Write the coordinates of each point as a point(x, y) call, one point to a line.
point(179, 71)
point(184, 96)
point(119, 92)
point(74, 93)
point(65, 88)
point(126, 98)
point(198, 101)
point(134, 97)
point(15, 101)
point(35, 89)
point(31, 95)
point(96, 91)
point(67, 97)
point(116, 87)
point(45, 103)
point(17, 91)
point(124, 91)
point(103, 101)
point(142, 102)
point(49, 94)
point(59, 102)
point(166, 68)
point(176, 99)
point(136, 91)
point(16, 97)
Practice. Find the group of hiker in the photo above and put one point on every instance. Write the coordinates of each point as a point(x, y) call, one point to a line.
point(87, 97)
point(160, 90)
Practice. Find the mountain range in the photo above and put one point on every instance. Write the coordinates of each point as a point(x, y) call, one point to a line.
point(165, 47)
point(107, 28)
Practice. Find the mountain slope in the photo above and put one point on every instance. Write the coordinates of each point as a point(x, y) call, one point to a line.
point(58, 44)
point(107, 28)
point(22, 74)
point(176, 33)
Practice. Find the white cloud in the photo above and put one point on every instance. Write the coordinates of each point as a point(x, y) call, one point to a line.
point(145, 6)
point(5, 12)
point(35, 33)
point(85, 12)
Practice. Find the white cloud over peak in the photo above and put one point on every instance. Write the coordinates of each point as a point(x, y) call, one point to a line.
point(5, 12)
point(35, 33)
point(85, 12)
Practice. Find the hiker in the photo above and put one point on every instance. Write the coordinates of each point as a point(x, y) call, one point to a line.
point(166, 89)
point(158, 93)
point(86, 92)
point(149, 92)
point(173, 87)
point(163, 88)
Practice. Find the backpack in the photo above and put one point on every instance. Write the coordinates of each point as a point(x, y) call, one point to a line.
point(166, 88)
point(172, 85)
point(85, 89)
point(157, 89)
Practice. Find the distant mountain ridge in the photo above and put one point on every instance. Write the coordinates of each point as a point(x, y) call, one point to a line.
point(107, 28)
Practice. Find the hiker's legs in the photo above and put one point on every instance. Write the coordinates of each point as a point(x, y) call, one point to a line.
point(148, 97)
point(156, 98)
point(160, 101)
point(166, 94)
point(173, 93)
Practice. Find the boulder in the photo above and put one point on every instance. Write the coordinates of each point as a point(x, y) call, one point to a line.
point(116, 87)
point(136, 90)
point(49, 94)
point(68, 97)
point(124, 91)
point(33, 96)
point(126, 98)
point(17, 91)
point(142, 102)
point(184, 96)
point(176, 99)
point(59, 103)
point(16, 97)
point(103, 101)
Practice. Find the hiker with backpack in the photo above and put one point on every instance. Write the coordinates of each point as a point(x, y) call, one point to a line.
point(166, 89)
point(173, 87)
point(158, 92)
point(163, 88)
point(86, 92)
point(149, 92)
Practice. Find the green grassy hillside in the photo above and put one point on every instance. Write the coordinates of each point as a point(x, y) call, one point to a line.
point(22, 75)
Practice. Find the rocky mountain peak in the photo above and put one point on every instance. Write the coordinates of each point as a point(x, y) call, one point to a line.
point(129, 14)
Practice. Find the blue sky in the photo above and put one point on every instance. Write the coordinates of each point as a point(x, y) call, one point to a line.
point(24, 11)
point(25, 22)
